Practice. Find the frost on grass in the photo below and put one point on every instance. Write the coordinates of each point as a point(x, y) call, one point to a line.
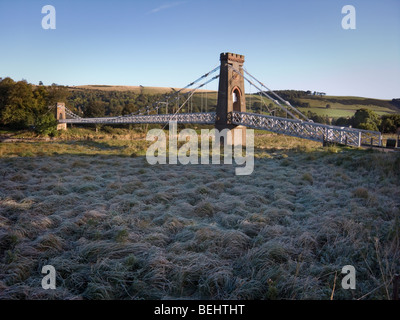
point(117, 228)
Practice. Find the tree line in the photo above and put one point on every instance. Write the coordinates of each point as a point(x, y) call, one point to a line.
point(23, 105)
point(369, 120)
point(100, 103)
point(26, 106)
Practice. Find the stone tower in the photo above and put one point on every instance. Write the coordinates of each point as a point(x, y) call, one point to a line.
point(60, 115)
point(231, 95)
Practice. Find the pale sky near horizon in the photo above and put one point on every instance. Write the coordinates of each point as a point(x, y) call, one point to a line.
point(288, 44)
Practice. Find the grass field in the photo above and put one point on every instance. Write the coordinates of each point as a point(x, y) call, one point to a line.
point(338, 109)
point(115, 227)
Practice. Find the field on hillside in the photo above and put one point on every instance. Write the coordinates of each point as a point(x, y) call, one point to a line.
point(339, 106)
point(115, 227)
point(339, 109)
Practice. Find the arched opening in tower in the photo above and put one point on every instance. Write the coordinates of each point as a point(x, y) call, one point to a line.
point(236, 100)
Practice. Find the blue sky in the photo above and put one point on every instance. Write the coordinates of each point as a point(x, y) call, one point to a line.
point(288, 44)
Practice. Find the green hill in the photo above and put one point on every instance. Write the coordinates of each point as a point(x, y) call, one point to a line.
point(335, 107)
point(330, 106)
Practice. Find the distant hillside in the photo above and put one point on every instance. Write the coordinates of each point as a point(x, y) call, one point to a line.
point(337, 106)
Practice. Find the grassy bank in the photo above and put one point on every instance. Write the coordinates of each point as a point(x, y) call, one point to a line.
point(115, 227)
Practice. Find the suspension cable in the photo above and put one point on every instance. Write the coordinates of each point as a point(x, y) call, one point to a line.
point(265, 94)
point(264, 104)
point(250, 99)
point(174, 96)
point(71, 114)
point(276, 95)
point(191, 93)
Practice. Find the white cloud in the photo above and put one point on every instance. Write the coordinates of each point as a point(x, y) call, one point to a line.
point(168, 6)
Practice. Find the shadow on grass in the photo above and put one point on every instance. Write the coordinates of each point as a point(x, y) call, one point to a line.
point(101, 146)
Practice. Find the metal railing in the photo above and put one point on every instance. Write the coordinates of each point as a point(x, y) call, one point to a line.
point(200, 118)
point(308, 130)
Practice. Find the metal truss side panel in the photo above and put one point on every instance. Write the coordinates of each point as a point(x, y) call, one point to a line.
point(308, 130)
point(198, 118)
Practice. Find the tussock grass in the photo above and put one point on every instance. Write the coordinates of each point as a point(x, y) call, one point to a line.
point(204, 209)
point(117, 228)
point(308, 177)
point(361, 193)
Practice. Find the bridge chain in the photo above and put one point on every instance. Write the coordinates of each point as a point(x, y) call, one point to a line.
point(71, 114)
point(265, 94)
point(277, 96)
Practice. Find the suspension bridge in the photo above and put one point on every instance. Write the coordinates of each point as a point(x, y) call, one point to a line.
point(231, 110)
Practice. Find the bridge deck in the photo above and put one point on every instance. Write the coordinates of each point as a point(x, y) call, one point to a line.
point(200, 118)
point(296, 128)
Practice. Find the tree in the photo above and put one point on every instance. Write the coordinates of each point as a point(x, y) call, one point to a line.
point(21, 106)
point(46, 124)
point(57, 94)
point(390, 123)
point(142, 101)
point(316, 118)
point(342, 122)
point(366, 119)
point(41, 95)
point(257, 106)
point(95, 109)
point(128, 109)
point(6, 85)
